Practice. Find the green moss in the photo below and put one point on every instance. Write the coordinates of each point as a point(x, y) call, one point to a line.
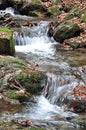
point(72, 13)
point(31, 81)
point(35, 1)
point(9, 62)
point(84, 17)
point(74, 45)
point(11, 94)
point(6, 30)
point(35, 128)
point(6, 41)
point(54, 11)
point(17, 75)
point(66, 30)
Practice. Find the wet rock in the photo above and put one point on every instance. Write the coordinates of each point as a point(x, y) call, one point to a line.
point(51, 29)
point(6, 41)
point(66, 30)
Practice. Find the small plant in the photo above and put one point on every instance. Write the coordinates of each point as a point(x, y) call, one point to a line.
point(72, 13)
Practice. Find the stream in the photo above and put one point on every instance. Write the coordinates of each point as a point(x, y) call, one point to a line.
point(34, 46)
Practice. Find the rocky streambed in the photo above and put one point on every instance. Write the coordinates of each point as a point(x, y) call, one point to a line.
point(47, 89)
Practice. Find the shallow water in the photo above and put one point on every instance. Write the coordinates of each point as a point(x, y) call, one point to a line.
point(33, 45)
point(38, 49)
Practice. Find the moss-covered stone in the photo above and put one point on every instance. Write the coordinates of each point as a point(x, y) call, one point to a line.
point(30, 80)
point(6, 41)
point(15, 76)
point(66, 30)
point(25, 9)
point(21, 97)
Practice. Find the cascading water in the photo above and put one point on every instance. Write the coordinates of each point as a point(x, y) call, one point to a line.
point(34, 39)
point(45, 109)
point(34, 42)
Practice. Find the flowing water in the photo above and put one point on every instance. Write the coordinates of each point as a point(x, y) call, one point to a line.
point(33, 45)
point(45, 110)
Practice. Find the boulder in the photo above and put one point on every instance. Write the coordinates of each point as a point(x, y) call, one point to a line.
point(66, 30)
point(17, 81)
point(6, 41)
point(24, 10)
point(79, 98)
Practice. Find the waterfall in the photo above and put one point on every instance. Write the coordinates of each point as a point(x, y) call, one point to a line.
point(34, 39)
point(39, 48)
point(58, 87)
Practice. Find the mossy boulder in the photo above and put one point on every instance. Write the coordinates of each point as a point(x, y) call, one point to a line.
point(32, 81)
point(66, 30)
point(6, 41)
point(17, 81)
point(24, 10)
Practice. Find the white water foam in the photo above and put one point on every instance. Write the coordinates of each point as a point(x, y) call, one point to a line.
point(35, 41)
point(42, 110)
point(7, 10)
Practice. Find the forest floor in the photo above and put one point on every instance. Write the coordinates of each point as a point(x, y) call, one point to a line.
point(81, 4)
